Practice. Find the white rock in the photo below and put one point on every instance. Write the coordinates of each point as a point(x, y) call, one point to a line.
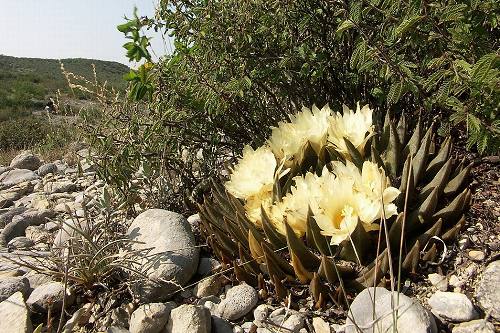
point(16, 176)
point(59, 187)
point(239, 301)
point(170, 236)
point(150, 318)
point(208, 286)
point(411, 316)
point(320, 326)
point(49, 295)
point(475, 326)
point(488, 290)
point(189, 318)
point(439, 281)
point(294, 323)
point(14, 314)
point(452, 306)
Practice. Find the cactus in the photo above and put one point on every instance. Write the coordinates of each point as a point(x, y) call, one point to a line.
point(429, 203)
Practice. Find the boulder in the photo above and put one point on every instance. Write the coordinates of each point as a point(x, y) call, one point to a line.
point(15, 315)
point(189, 318)
point(26, 160)
point(11, 285)
point(46, 169)
point(150, 318)
point(174, 256)
point(411, 315)
point(455, 307)
point(49, 295)
point(239, 301)
point(16, 176)
point(20, 222)
point(64, 186)
point(487, 290)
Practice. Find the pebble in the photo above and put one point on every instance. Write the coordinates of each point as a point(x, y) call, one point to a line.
point(452, 306)
point(438, 281)
point(239, 301)
point(475, 326)
point(189, 318)
point(476, 255)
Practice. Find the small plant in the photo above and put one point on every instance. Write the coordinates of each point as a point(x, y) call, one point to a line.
point(318, 203)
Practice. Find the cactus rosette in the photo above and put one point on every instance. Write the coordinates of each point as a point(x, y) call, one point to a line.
point(318, 203)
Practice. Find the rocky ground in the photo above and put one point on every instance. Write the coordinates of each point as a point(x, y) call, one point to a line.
point(179, 287)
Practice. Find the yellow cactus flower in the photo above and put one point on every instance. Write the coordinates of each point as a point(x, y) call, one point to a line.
point(371, 188)
point(356, 127)
point(252, 180)
point(289, 138)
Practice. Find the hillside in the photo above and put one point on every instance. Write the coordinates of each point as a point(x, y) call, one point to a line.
point(27, 83)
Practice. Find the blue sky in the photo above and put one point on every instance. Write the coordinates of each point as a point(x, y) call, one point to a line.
point(70, 28)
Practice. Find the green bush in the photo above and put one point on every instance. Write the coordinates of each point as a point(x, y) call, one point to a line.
point(240, 67)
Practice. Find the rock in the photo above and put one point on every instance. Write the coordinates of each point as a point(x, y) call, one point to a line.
point(170, 236)
point(120, 317)
point(46, 169)
point(68, 231)
point(239, 301)
point(16, 176)
point(37, 233)
point(189, 318)
point(37, 279)
point(320, 326)
point(7, 215)
point(20, 222)
point(48, 295)
point(475, 326)
point(59, 187)
point(260, 313)
point(26, 160)
point(452, 306)
point(294, 323)
point(15, 193)
point(208, 286)
point(4, 169)
point(150, 318)
point(20, 243)
point(412, 317)
point(488, 291)
point(15, 315)
point(11, 285)
point(207, 266)
point(220, 325)
point(476, 255)
point(115, 329)
point(195, 221)
point(439, 281)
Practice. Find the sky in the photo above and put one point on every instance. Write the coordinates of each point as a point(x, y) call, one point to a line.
point(59, 29)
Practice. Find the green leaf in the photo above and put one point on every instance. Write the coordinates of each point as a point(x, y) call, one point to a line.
point(406, 25)
point(482, 67)
point(347, 24)
point(394, 93)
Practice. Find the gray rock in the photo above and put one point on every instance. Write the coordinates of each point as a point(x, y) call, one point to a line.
point(68, 231)
point(46, 169)
point(20, 243)
point(15, 193)
point(4, 169)
point(261, 312)
point(7, 215)
point(208, 286)
point(37, 233)
point(16, 176)
point(475, 326)
point(189, 318)
point(20, 222)
point(452, 306)
point(11, 285)
point(170, 236)
point(439, 281)
point(220, 325)
point(207, 266)
point(239, 301)
point(116, 329)
point(488, 291)
point(411, 316)
point(26, 160)
point(37, 279)
point(15, 315)
point(49, 295)
point(150, 318)
point(59, 187)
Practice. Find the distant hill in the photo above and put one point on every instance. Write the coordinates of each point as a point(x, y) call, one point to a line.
point(26, 83)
